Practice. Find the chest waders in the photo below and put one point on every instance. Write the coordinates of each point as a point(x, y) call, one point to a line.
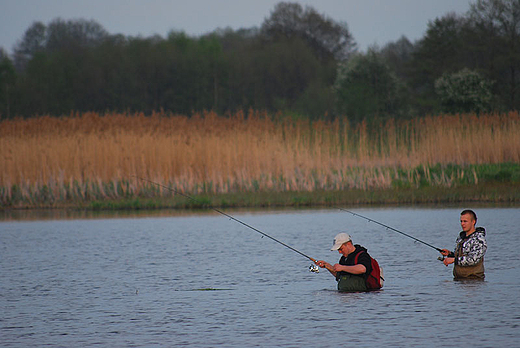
point(467, 272)
point(351, 282)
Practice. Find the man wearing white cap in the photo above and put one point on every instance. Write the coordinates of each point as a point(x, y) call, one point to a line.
point(354, 265)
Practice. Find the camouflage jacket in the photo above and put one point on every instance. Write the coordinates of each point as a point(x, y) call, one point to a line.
point(472, 247)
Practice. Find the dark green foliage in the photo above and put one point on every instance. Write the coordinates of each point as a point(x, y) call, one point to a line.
point(366, 87)
point(440, 51)
point(485, 40)
point(327, 38)
point(495, 44)
point(70, 66)
point(290, 64)
point(7, 84)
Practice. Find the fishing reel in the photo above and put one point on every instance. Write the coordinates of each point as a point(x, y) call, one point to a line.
point(441, 258)
point(314, 268)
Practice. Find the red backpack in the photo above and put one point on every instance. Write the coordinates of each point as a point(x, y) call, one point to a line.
point(375, 278)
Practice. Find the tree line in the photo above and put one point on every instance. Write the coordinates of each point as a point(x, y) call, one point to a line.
point(298, 62)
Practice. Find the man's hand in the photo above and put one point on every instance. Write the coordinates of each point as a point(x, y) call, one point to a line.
point(448, 260)
point(338, 268)
point(322, 264)
point(327, 266)
point(445, 252)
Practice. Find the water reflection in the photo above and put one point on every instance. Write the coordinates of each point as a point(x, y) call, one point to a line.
point(78, 214)
point(71, 214)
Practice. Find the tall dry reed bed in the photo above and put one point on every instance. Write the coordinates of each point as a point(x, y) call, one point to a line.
point(90, 156)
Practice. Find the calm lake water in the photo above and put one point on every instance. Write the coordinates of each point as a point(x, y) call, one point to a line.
point(203, 280)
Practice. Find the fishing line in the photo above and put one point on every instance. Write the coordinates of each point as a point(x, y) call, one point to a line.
point(312, 268)
point(390, 228)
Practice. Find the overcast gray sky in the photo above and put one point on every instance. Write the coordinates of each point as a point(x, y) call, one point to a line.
point(370, 21)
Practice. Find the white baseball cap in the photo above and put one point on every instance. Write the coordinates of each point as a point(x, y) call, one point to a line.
point(340, 239)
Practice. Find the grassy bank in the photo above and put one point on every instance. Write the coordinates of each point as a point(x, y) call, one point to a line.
point(483, 193)
point(437, 184)
point(94, 161)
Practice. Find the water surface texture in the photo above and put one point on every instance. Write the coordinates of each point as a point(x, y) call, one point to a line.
point(205, 281)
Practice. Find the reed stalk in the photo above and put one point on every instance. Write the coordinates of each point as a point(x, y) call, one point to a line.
point(91, 156)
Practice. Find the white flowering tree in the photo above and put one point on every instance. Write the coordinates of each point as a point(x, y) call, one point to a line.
point(464, 91)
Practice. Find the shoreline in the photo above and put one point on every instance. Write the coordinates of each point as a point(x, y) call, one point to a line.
point(489, 193)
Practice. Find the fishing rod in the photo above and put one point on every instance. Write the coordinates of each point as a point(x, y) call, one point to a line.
point(390, 228)
point(312, 268)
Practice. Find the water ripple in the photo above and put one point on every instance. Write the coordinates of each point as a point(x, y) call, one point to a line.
point(203, 281)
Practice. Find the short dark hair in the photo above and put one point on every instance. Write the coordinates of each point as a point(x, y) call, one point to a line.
point(470, 212)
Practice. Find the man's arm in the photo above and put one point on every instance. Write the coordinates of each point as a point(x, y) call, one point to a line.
point(328, 266)
point(356, 269)
point(477, 249)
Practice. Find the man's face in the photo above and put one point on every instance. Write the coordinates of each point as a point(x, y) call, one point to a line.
point(343, 250)
point(467, 223)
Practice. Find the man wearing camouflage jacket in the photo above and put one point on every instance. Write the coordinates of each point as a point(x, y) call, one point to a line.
point(470, 247)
